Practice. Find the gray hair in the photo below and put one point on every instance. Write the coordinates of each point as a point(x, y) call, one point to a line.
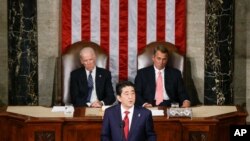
point(87, 50)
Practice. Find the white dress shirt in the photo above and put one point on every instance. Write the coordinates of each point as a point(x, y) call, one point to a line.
point(130, 115)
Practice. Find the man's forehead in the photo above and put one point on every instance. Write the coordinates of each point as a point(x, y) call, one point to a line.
point(87, 54)
point(128, 89)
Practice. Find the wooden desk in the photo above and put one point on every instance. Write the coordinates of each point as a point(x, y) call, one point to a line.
point(16, 127)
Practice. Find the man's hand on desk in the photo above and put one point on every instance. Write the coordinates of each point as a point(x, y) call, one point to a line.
point(186, 103)
point(147, 105)
point(96, 104)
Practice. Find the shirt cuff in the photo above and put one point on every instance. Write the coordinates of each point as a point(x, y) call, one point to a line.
point(102, 103)
point(88, 103)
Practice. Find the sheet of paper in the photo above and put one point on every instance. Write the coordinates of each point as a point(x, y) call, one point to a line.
point(58, 109)
point(93, 112)
point(156, 112)
point(34, 111)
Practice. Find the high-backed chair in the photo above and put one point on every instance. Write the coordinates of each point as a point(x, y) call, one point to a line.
point(71, 61)
point(175, 60)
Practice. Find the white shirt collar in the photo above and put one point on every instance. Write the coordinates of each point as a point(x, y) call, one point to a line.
point(156, 70)
point(93, 71)
point(131, 110)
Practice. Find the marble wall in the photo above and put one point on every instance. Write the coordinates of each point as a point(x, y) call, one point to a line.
point(22, 52)
point(48, 48)
point(195, 48)
point(248, 59)
point(241, 39)
point(219, 51)
point(242, 54)
point(4, 53)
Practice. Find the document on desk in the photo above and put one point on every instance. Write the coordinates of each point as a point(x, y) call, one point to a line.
point(213, 110)
point(58, 109)
point(156, 112)
point(93, 112)
point(34, 111)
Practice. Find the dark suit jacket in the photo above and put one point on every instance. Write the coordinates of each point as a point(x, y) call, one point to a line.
point(141, 129)
point(145, 84)
point(79, 87)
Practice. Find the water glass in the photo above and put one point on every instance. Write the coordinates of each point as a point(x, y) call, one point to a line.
point(174, 105)
point(69, 110)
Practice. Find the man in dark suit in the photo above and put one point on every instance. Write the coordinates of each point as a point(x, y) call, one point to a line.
point(126, 122)
point(160, 85)
point(90, 85)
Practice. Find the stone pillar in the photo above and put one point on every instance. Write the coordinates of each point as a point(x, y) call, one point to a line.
point(22, 52)
point(3, 54)
point(219, 52)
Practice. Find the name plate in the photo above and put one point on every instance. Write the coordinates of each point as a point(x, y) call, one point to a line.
point(179, 112)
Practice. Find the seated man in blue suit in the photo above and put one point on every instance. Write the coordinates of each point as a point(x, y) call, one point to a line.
point(159, 84)
point(126, 122)
point(90, 85)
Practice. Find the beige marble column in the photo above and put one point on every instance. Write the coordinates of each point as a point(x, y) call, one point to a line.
point(195, 48)
point(4, 53)
point(48, 22)
point(242, 54)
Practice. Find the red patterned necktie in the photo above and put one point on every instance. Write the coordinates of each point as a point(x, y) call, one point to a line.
point(126, 126)
point(159, 89)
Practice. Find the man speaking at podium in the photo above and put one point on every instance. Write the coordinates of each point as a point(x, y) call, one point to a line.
point(125, 121)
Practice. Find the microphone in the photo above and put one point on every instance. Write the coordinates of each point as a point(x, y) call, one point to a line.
point(122, 124)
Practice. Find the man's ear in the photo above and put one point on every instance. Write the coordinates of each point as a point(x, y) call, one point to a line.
point(81, 60)
point(118, 98)
point(153, 58)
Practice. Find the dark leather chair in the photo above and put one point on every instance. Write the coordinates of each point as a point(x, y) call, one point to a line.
point(71, 61)
point(175, 60)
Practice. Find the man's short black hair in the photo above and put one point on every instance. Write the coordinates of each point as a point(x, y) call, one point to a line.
point(123, 84)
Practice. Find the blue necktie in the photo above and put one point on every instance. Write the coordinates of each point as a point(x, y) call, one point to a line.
point(90, 86)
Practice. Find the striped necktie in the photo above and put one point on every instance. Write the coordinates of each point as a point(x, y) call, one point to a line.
point(90, 86)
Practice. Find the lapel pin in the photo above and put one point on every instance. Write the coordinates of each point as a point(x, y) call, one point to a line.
point(139, 115)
